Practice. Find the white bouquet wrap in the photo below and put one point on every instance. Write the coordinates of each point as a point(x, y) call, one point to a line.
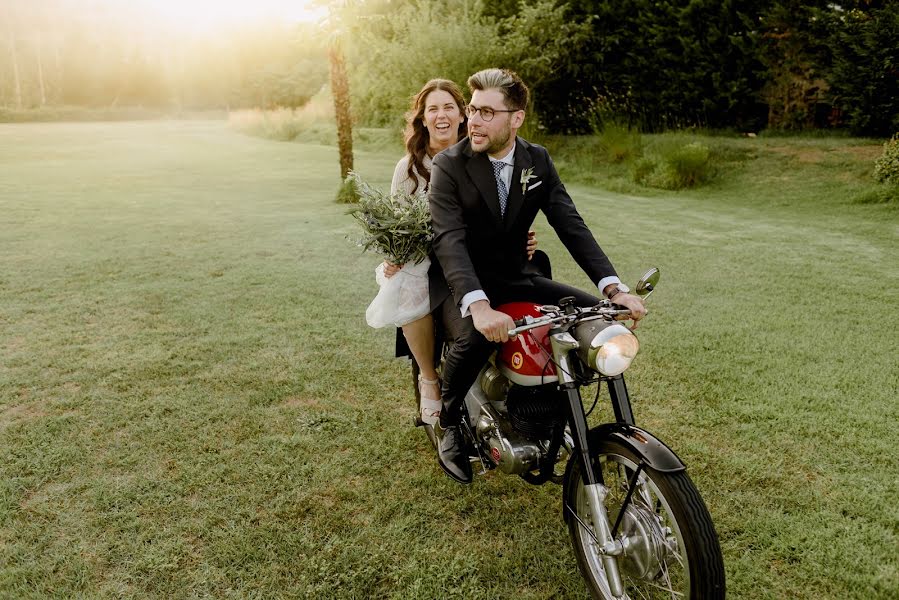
point(398, 227)
point(402, 298)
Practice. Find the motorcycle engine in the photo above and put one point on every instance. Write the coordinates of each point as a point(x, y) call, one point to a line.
point(514, 423)
point(536, 411)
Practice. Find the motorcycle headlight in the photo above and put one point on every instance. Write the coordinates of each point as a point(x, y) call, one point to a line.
point(607, 348)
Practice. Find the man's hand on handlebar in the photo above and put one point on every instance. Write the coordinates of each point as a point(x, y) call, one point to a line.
point(633, 304)
point(492, 324)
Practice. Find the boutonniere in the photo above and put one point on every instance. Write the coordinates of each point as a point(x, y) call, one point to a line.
point(526, 176)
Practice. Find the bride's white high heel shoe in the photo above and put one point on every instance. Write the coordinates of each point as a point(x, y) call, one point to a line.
point(430, 407)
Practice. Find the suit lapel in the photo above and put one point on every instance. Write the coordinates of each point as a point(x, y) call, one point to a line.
point(481, 173)
point(516, 196)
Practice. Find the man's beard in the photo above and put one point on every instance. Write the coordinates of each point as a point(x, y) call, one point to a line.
point(499, 142)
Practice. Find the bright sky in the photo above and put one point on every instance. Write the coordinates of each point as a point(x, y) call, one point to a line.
point(204, 15)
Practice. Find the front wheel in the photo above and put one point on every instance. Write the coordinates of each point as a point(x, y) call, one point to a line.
point(671, 548)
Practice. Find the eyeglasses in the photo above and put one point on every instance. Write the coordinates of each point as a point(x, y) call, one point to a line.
point(487, 113)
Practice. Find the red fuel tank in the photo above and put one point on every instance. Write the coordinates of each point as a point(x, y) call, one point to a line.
point(526, 360)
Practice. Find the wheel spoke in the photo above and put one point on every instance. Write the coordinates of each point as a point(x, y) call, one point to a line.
point(674, 594)
point(642, 595)
point(656, 564)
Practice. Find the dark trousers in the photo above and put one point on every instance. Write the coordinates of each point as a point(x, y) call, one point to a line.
point(468, 350)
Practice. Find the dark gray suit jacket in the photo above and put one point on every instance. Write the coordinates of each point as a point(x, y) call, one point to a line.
point(476, 248)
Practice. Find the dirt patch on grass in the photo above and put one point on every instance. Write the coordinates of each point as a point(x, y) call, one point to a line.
point(15, 343)
point(866, 153)
point(13, 415)
point(300, 402)
point(803, 155)
point(808, 156)
point(48, 496)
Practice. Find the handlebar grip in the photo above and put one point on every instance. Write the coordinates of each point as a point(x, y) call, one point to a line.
point(622, 312)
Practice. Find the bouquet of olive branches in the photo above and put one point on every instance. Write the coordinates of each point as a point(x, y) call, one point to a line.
point(397, 225)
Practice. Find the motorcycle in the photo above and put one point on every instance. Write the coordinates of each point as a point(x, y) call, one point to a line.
point(639, 527)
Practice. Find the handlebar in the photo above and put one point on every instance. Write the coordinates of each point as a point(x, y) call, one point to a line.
point(528, 323)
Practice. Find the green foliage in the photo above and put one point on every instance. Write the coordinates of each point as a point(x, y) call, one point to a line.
point(395, 225)
point(886, 167)
point(538, 39)
point(689, 164)
point(663, 64)
point(645, 169)
point(314, 122)
point(395, 52)
point(346, 193)
point(863, 79)
point(282, 124)
point(882, 194)
point(674, 165)
point(792, 46)
point(619, 142)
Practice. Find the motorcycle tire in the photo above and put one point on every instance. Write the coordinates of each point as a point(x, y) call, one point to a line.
point(674, 550)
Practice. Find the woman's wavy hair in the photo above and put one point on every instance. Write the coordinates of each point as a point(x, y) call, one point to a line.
point(416, 134)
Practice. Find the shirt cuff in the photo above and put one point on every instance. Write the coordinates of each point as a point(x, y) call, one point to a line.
point(470, 298)
point(606, 281)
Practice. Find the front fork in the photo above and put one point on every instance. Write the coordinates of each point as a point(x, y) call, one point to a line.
point(563, 344)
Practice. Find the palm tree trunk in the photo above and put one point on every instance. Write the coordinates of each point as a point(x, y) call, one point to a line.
point(340, 89)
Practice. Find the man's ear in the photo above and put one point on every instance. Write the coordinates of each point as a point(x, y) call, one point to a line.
point(517, 119)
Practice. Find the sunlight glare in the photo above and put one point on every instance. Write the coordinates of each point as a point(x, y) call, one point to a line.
point(209, 14)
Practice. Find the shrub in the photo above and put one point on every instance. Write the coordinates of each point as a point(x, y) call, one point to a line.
point(881, 194)
point(689, 165)
point(619, 142)
point(886, 168)
point(644, 169)
point(314, 122)
point(346, 193)
point(281, 124)
point(673, 165)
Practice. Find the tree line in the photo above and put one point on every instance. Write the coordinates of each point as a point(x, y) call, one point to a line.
point(650, 64)
point(85, 53)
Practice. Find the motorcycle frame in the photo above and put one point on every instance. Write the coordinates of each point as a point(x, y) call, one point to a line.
point(651, 451)
point(563, 348)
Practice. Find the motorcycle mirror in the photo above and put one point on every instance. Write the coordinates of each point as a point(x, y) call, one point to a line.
point(648, 282)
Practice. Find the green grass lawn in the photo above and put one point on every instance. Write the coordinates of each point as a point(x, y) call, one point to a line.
point(191, 403)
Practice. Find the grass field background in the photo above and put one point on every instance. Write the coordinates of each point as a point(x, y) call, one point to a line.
point(192, 405)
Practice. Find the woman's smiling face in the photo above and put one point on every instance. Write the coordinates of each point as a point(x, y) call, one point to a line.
point(442, 118)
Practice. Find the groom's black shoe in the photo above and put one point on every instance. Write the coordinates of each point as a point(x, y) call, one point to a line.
point(451, 453)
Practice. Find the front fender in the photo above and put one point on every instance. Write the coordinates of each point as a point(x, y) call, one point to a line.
point(654, 453)
point(648, 448)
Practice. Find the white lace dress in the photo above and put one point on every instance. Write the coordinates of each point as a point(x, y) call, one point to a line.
point(404, 297)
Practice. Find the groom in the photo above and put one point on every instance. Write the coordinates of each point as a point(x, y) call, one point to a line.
point(484, 195)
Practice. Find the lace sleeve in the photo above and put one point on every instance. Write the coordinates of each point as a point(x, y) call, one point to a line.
point(401, 180)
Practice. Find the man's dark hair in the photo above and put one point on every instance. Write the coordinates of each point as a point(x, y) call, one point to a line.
point(508, 82)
